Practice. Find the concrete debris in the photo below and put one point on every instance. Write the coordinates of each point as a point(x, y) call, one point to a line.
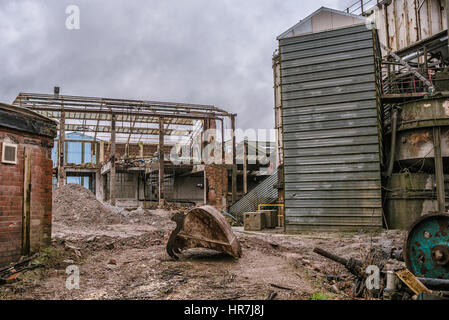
point(141, 268)
point(74, 204)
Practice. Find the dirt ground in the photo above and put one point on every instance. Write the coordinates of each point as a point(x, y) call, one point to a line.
point(125, 258)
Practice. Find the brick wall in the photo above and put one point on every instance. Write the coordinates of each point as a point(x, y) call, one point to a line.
point(11, 195)
point(217, 181)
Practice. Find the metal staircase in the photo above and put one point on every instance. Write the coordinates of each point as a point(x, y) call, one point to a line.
point(264, 193)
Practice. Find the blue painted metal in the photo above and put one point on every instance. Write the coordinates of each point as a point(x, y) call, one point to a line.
point(229, 215)
point(427, 234)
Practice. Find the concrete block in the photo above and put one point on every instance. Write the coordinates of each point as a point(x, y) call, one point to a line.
point(253, 221)
point(270, 218)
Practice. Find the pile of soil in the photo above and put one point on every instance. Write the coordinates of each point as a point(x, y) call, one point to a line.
point(75, 205)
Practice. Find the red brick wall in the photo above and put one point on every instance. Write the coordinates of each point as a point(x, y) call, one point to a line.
point(217, 180)
point(11, 195)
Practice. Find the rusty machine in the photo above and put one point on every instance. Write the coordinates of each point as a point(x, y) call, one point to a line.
point(427, 247)
point(415, 122)
point(424, 271)
point(415, 112)
point(202, 227)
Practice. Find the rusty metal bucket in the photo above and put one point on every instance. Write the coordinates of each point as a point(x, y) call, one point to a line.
point(202, 227)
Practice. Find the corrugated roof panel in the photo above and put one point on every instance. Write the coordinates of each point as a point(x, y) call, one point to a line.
point(332, 124)
point(326, 50)
point(333, 194)
point(323, 134)
point(328, 75)
point(330, 116)
point(306, 70)
point(348, 177)
point(339, 141)
point(323, 109)
point(330, 212)
point(332, 159)
point(331, 131)
point(293, 61)
point(331, 185)
point(326, 91)
point(332, 168)
point(324, 100)
point(329, 83)
point(330, 42)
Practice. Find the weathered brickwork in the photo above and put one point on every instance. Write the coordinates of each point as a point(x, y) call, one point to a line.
point(12, 190)
point(217, 180)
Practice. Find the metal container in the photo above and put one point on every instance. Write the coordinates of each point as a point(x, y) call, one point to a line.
point(413, 192)
point(408, 197)
point(426, 247)
point(415, 144)
point(331, 130)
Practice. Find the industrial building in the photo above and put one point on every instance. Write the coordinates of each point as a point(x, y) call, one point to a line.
point(125, 188)
point(360, 114)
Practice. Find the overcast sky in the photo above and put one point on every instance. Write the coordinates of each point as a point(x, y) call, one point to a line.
point(195, 51)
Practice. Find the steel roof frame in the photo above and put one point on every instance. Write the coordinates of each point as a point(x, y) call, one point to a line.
point(128, 113)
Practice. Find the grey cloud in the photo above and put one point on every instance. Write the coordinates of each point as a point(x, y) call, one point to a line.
point(198, 51)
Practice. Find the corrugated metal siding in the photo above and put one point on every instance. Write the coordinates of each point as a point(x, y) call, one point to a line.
point(401, 23)
point(264, 193)
point(331, 131)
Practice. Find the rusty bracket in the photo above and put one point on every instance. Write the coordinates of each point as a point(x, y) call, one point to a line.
point(412, 282)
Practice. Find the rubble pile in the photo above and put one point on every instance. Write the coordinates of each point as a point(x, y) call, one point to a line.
point(74, 204)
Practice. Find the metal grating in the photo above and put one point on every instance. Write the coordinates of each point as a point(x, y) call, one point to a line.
point(331, 131)
point(264, 193)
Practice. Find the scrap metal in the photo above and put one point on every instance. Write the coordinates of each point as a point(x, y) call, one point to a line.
point(202, 227)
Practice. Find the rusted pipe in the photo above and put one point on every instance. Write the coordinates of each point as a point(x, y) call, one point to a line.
point(353, 265)
point(394, 125)
point(331, 256)
point(435, 284)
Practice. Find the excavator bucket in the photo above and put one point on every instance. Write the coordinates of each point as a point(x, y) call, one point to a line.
point(202, 227)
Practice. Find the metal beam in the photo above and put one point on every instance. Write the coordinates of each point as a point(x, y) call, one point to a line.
point(245, 167)
point(447, 18)
point(61, 147)
point(32, 98)
point(161, 162)
point(195, 115)
point(234, 164)
point(127, 130)
point(439, 172)
point(112, 159)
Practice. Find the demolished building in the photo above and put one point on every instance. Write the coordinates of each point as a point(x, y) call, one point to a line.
point(105, 140)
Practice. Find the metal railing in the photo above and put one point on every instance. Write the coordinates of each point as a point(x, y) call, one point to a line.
point(397, 80)
point(361, 6)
